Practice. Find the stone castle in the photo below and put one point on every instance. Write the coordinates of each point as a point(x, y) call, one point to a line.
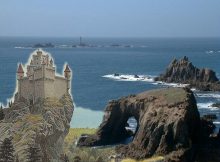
point(41, 80)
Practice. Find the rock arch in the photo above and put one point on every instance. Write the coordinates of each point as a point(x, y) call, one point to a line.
point(168, 121)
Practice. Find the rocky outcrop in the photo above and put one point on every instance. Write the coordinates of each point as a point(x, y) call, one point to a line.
point(183, 71)
point(168, 124)
point(43, 124)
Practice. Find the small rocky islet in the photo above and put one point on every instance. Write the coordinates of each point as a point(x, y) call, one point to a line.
point(184, 72)
point(168, 120)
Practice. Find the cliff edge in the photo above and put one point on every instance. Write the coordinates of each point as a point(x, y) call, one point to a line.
point(43, 124)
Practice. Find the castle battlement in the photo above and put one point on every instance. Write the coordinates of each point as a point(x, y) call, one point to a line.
point(40, 80)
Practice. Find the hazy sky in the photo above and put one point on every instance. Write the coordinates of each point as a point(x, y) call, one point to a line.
point(110, 18)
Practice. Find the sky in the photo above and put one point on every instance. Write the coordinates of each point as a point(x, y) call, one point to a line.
point(110, 18)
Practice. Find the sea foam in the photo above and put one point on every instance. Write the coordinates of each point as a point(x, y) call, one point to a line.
point(128, 77)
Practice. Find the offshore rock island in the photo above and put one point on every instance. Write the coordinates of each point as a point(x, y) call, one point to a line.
point(42, 110)
point(183, 71)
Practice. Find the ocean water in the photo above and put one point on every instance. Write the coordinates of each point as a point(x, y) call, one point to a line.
point(94, 84)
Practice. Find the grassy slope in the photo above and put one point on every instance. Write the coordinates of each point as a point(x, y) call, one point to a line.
point(74, 134)
point(86, 154)
point(92, 154)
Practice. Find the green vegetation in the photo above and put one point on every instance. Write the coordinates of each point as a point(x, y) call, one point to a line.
point(34, 154)
point(74, 134)
point(85, 154)
point(52, 102)
point(171, 95)
point(29, 122)
point(7, 151)
point(93, 154)
point(33, 118)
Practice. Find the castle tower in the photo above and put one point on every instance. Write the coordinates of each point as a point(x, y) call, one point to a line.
point(20, 75)
point(20, 72)
point(67, 74)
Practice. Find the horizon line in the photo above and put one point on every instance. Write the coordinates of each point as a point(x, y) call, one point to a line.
point(143, 37)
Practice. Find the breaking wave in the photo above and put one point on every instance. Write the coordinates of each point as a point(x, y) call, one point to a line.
point(212, 52)
point(209, 95)
point(23, 47)
point(124, 77)
point(170, 84)
point(144, 78)
point(207, 105)
point(209, 52)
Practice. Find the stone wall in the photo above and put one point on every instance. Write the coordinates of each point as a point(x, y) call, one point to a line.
point(49, 88)
point(60, 85)
point(38, 73)
point(49, 73)
point(39, 89)
point(43, 87)
point(37, 60)
point(27, 88)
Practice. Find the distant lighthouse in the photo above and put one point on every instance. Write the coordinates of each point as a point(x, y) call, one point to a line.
point(80, 41)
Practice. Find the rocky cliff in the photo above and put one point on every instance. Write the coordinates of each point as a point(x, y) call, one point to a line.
point(43, 124)
point(168, 124)
point(183, 71)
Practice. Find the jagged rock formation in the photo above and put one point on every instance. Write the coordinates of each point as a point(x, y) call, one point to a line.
point(168, 124)
point(44, 124)
point(183, 71)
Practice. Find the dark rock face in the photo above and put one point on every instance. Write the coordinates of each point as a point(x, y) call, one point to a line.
point(168, 124)
point(210, 117)
point(209, 146)
point(183, 71)
point(44, 124)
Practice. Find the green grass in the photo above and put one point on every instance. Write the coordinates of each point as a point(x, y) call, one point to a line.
point(52, 102)
point(29, 122)
point(171, 95)
point(86, 154)
point(89, 154)
point(74, 134)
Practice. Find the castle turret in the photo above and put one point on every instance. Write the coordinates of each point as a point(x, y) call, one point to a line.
point(20, 72)
point(67, 73)
point(20, 75)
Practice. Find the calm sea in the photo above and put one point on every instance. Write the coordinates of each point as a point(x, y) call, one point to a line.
point(93, 85)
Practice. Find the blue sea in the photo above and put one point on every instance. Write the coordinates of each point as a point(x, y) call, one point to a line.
point(94, 84)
